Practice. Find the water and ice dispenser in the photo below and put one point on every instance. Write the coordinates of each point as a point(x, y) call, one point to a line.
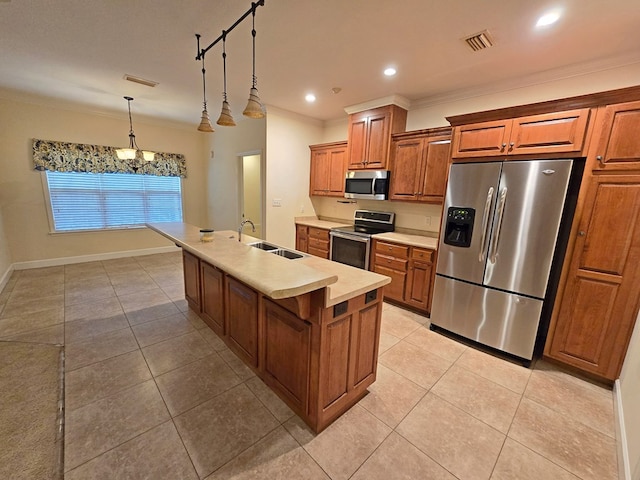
point(459, 226)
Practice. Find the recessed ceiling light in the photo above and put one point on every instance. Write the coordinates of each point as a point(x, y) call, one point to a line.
point(548, 18)
point(389, 71)
point(310, 97)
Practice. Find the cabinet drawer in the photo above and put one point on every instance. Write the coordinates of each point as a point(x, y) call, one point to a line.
point(391, 262)
point(319, 233)
point(319, 244)
point(422, 254)
point(318, 252)
point(393, 250)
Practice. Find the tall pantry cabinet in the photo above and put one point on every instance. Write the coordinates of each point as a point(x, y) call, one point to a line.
point(596, 311)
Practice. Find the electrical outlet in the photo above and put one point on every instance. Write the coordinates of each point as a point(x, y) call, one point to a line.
point(276, 202)
point(301, 208)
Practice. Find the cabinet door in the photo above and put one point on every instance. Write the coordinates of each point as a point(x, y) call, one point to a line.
point(435, 169)
point(357, 140)
point(213, 297)
point(302, 238)
point(365, 337)
point(191, 268)
point(484, 139)
point(287, 353)
point(406, 165)
point(337, 171)
point(395, 289)
point(242, 320)
point(378, 138)
point(334, 352)
point(619, 137)
point(418, 284)
point(320, 167)
point(558, 132)
point(599, 304)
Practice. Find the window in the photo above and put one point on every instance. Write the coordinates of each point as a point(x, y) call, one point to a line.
point(96, 201)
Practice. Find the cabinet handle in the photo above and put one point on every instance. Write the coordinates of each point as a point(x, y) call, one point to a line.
point(601, 160)
point(503, 146)
point(419, 193)
point(582, 233)
point(511, 146)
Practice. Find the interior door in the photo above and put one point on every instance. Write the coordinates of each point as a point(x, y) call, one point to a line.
point(471, 186)
point(530, 200)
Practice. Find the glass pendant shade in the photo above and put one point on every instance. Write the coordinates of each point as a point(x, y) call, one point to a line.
point(254, 106)
point(126, 153)
point(205, 122)
point(148, 156)
point(225, 118)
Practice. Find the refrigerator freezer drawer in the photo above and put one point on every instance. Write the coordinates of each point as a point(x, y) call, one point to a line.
point(501, 320)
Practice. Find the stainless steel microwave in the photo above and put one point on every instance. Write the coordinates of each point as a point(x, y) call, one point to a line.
point(367, 184)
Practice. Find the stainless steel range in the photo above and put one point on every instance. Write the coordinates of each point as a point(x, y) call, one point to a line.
point(352, 245)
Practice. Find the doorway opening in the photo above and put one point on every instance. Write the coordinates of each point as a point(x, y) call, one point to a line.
point(251, 190)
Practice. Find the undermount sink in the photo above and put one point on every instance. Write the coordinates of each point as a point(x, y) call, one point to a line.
point(287, 254)
point(283, 252)
point(263, 246)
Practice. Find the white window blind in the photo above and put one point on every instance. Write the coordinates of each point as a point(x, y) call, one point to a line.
point(94, 201)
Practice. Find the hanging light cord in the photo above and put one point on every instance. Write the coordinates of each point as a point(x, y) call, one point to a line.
point(224, 64)
point(132, 137)
point(204, 85)
point(253, 34)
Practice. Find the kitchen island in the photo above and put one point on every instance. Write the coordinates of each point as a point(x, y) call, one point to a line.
point(308, 327)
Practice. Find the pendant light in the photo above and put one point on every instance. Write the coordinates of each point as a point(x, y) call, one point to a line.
point(225, 118)
point(254, 107)
point(205, 123)
point(131, 152)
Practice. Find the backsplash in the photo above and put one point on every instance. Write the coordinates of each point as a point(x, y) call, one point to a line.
point(420, 217)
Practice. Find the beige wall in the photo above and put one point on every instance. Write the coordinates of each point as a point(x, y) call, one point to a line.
point(22, 202)
point(5, 255)
point(629, 392)
point(288, 139)
point(252, 191)
point(223, 170)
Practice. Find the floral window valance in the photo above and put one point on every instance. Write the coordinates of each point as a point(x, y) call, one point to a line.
point(76, 157)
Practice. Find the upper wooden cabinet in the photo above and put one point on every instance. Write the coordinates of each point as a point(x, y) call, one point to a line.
point(370, 136)
point(549, 133)
point(618, 137)
point(328, 169)
point(419, 166)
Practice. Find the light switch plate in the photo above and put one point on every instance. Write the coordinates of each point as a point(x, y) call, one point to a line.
point(276, 202)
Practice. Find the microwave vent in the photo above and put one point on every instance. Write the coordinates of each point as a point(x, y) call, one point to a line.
point(479, 41)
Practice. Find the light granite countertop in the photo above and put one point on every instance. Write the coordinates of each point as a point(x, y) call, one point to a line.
point(316, 222)
point(274, 276)
point(407, 239)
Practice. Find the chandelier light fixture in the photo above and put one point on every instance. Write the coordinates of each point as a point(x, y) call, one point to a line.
point(205, 122)
point(254, 108)
point(225, 118)
point(133, 151)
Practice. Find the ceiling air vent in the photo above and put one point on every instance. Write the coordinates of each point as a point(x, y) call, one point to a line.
point(479, 41)
point(141, 81)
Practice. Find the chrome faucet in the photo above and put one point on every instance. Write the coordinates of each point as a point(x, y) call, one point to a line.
point(253, 228)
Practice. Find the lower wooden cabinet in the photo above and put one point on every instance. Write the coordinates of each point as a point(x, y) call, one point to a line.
point(212, 280)
point(411, 270)
point(597, 309)
point(287, 337)
point(313, 240)
point(319, 360)
point(191, 270)
point(242, 307)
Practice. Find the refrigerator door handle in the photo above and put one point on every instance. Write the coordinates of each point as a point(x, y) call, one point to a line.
point(485, 225)
point(496, 235)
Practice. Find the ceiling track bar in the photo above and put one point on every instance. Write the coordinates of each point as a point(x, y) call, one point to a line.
point(202, 52)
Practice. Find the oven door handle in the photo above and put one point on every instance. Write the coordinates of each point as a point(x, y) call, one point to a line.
point(346, 236)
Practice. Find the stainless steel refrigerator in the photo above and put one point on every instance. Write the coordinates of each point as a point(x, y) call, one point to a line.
point(498, 237)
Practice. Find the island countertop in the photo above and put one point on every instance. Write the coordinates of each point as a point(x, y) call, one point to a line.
point(270, 274)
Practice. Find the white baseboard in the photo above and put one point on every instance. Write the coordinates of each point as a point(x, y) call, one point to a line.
point(5, 278)
point(624, 467)
point(54, 262)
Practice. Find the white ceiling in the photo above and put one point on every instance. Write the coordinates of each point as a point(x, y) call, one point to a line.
point(79, 50)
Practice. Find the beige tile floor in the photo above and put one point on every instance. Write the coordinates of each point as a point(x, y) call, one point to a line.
point(152, 393)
